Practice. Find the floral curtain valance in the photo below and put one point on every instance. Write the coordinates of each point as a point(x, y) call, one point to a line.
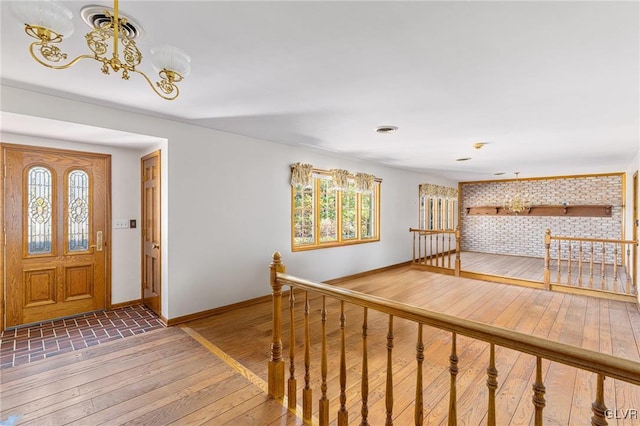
point(438, 191)
point(340, 179)
point(302, 177)
point(364, 182)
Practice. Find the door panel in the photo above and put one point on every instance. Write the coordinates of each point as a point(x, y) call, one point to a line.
point(151, 283)
point(56, 207)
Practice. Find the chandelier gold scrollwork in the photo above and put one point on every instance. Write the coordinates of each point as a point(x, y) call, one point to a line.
point(518, 201)
point(49, 23)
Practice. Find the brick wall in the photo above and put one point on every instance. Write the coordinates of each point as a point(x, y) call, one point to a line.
point(524, 235)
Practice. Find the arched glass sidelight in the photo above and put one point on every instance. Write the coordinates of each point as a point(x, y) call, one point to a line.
point(39, 210)
point(78, 211)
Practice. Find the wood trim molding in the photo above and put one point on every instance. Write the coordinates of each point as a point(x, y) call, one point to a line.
point(203, 314)
point(125, 304)
point(569, 210)
point(335, 281)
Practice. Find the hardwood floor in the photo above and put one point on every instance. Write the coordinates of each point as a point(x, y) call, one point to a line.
point(532, 269)
point(603, 325)
point(162, 377)
point(168, 377)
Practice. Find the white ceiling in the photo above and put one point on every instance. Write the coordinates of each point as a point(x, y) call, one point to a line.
point(553, 87)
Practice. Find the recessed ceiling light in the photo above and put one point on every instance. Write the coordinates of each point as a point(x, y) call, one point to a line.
point(499, 173)
point(386, 129)
point(479, 145)
point(463, 159)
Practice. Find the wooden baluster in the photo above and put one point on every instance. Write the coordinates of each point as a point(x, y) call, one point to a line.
point(431, 249)
point(547, 259)
point(364, 385)
point(602, 266)
point(628, 269)
point(615, 267)
point(275, 384)
point(419, 416)
point(569, 265)
point(559, 260)
point(414, 246)
point(453, 370)
point(292, 385)
point(591, 265)
point(307, 404)
point(457, 271)
point(389, 389)
point(323, 415)
point(580, 264)
point(443, 252)
point(492, 384)
point(449, 252)
point(343, 413)
point(598, 408)
point(538, 393)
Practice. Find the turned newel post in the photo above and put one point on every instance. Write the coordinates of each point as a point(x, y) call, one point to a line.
point(276, 362)
point(547, 259)
point(457, 266)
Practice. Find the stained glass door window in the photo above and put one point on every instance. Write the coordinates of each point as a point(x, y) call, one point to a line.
point(39, 228)
point(78, 211)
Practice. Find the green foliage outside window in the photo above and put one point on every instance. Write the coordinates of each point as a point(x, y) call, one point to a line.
point(325, 217)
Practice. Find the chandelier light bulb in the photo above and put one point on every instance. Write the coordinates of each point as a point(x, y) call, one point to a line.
point(46, 14)
point(172, 59)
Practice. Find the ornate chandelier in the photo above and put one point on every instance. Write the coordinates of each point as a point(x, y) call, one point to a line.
point(49, 22)
point(518, 202)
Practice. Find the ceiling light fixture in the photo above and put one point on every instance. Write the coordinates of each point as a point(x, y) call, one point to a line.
point(386, 129)
point(518, 202)
point(479, 145)
point(49, 22)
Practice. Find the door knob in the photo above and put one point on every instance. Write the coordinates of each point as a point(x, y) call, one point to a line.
point(98, 244)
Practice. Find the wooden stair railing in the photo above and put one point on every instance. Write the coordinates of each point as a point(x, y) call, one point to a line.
point(590, 263)
point(601, 364)
point(434, 249)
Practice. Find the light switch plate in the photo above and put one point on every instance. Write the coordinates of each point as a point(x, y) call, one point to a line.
point(121, 224)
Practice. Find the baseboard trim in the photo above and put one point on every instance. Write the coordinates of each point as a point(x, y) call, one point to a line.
point(367, 273)
point(245, 303)
point(501, 279)
point(125, 304)
point(215, 311)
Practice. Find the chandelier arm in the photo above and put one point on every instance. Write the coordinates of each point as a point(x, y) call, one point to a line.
point(153, 86)
point(55, 67)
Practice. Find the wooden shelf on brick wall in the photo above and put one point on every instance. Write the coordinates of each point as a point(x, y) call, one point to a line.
point(569, 210)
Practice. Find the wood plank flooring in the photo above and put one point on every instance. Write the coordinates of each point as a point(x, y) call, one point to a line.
point(603, 325)
point(168, 377)
point(159, 378)
point(532, 269)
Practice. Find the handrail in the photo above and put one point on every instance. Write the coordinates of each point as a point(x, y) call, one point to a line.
point(594, 240)
point(433, 231)
point(601, 269)
point(433, 251)
point(585, 359)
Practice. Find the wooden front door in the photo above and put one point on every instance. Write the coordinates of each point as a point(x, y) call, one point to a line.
point(151, 232)
point(56, 220)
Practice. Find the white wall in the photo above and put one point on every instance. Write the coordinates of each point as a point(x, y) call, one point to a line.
point(228, 206)
point(125, 204)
